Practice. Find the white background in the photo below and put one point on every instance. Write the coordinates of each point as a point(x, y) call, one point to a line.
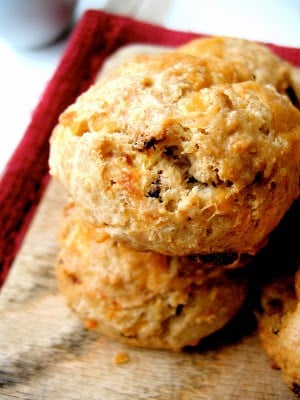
point(24, 73)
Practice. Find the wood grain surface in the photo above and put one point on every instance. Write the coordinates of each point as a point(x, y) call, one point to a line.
point(46, 353)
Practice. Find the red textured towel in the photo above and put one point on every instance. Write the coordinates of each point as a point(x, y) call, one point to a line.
point(95, 37)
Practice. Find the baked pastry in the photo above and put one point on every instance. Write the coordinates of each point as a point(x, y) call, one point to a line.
point(143, 299)
point(279, 327)
point(180, 155)
point(296, 85)
point(266, 67)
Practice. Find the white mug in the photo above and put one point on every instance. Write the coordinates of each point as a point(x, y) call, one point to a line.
point(33, 23)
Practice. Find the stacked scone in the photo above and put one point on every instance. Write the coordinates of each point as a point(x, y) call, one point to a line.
point(178, 167)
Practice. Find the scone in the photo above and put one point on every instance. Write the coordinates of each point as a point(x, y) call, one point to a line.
point(180, 155)
point(296, 83)
point(143, 299)
point(266, 67)
point(279, 327)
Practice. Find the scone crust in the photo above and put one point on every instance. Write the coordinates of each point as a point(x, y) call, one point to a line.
point(180, 155)
point(279, 327)
point(266, 67)
point(142, 299)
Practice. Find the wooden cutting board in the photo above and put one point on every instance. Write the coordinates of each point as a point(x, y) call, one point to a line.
point(47, 354)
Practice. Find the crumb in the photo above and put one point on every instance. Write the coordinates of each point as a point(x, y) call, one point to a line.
point(121, 358)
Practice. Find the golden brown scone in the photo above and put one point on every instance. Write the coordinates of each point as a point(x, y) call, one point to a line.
point(173, 154)
point(279, 327)
point(143, 299)
point(266, 67)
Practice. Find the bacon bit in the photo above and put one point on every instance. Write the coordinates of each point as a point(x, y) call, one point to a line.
point(121, 358)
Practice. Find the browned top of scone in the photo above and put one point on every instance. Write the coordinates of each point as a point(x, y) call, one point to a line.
point(266, 66)
point(180, 155)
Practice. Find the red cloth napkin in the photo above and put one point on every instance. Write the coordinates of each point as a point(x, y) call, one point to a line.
point(95, 37)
